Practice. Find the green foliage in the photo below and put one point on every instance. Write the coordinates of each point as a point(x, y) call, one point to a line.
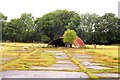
point(20, 29)
point(86, 27)
point(55, 23)
point(3, 17)
point(45, 38)
point(69, 36)
point(107, 29)
point(92, 28)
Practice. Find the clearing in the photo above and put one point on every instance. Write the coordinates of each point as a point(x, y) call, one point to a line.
point(38, 62)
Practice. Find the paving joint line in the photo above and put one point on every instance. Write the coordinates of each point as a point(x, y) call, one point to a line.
point(84, 69)
point(17, 60)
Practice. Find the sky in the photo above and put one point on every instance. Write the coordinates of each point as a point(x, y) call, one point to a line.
point(14, 8)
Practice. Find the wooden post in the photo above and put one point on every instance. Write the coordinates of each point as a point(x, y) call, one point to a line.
point(94, 46)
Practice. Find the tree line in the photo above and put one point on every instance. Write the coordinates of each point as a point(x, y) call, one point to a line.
point(92, 28)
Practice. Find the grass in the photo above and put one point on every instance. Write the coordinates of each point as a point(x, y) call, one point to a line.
point(101, 58)
point(10, 50)
point(21, 59)
point(84, 69)
point(106, 55)
point(40, 59)
point(109, 50)
point(32, 59)
point(17, 60)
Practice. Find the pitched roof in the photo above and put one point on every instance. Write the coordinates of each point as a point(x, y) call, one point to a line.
point(59, 42)
point(78, 42)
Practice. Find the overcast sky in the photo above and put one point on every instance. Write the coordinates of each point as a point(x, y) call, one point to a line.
point(14, 8)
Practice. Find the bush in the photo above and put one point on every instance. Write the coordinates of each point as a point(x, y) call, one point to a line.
point(69, 36)
point(45, 38)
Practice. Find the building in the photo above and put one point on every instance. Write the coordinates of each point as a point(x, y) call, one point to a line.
point(78, 42)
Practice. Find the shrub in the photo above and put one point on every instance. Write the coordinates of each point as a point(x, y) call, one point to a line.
point(45, 38)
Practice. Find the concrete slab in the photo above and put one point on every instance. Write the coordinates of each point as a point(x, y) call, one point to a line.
point(86, 56)
point(6, 59)
point(63, 61)
point(88, 63)
point(54, 68)
point(58, 54)
point(53, 51)
point(64, 65)
point(81, 60)
point(61, 56)
point(97, 67)
point(116, 66)
point(57, 67)
point(43, 74)
point(112, 75)
point(3, 60)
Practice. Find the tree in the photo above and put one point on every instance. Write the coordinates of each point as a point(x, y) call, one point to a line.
point(20, 29)
point(69, 36)
point(93, 29)
point(3, 19)
point(28, 27)
point(107, 29)
point(55, 23)
point(9, 32)
point(74, 22)
point(45, 38)
point(86, 28)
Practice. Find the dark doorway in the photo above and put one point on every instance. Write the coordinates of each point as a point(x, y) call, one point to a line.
point(57, 42)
